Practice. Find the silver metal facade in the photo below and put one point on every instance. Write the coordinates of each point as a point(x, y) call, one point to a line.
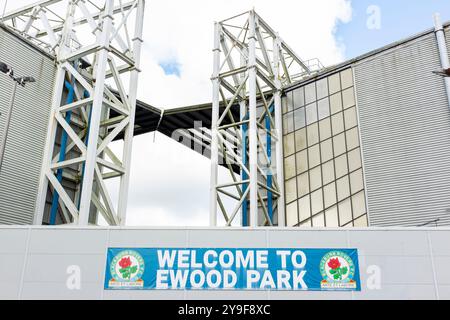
point(19, 177)
point(410, 263)
point(405, 130)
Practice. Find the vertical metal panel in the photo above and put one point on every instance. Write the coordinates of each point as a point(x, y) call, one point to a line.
point(19, 177)
point(405, 130)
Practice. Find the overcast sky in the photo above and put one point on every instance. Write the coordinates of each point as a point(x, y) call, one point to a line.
point(170, 184)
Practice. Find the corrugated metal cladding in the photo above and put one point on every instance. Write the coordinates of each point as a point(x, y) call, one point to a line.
point(19, 177)
point(405, 132)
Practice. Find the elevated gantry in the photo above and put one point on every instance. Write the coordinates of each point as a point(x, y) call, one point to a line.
point(252, 65)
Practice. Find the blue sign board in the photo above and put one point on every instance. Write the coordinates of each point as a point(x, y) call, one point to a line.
point(232, 269)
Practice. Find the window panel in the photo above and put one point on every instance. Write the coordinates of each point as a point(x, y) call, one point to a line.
point(352, 138)
point(314, 156)
point(328, 172)
point(289, 167)
point(299, 118)
point(288, 123)
point(336, 103)
point(313, 134)
point(325, 129)
point(329, 192)
point(326, 149)
point(318, 220)
point(337, 123)
point(347, 78)
point(341, 166)
point(359, 204)
point(310, 93)
point(339, 144)
point(345, 212)
point(323, 108)
point(291, 190)
point(316, 201)
point(322, 88)
point(354, 159)
point(291, 214)
point(343, 188)
point(302, 161)
point(300, 139)
point(290, 101)
point(331, 216)
point(311, 113)
point(289, 145)
point(284, 105)
point(306, 223)
point(361, 222)
point(334, 83)
point(315, 178)
point(304, 208)
point(350, 118)
point(348, 98)
point(299, 98)
point(356, 181)
point(303, 184)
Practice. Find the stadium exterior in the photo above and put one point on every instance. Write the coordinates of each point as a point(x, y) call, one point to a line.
point(366, 145)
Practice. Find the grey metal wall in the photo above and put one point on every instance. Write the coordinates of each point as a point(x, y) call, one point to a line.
point(405, 131)
point(19, 177)
point(410, 263)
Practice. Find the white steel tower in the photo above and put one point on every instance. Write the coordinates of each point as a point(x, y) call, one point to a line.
point(252, 64)
point(97, 47)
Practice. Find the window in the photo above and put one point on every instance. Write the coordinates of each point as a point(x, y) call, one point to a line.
point(336, 103)
point(303, 184)
point(337, 123)
point(339, 144)
point(348, 98)
point(347, 78)
point(299, 98)
point(352, 138)
point(310, 93)
point(326, 149)
point(329, 192)
point(341, 166)
point(302, 162)
point(314, 156)
point(291, 214)
point(315, 178)
point(291, 190)
point(325, 129)
point(334, 83)
point(328, 172)
point(304, 208)
point(299, 118)
point(323, 108)
point(289, 167)
point(311, 113)
point(322, 89)
point(345, 212)
point(289, 146)
point(350, 118)
point(323, 164)
point(313, 134)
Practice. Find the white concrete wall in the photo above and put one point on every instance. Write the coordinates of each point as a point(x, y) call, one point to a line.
point(34, 260)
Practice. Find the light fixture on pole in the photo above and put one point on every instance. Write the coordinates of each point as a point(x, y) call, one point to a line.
point(4, 68)
point(443, 72)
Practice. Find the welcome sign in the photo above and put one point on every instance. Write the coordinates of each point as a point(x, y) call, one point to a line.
point(232, 269)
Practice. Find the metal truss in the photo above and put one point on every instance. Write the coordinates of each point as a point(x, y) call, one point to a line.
point(97, 47)
point(252, 64)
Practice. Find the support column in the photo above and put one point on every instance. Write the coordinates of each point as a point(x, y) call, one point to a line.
point(94, 127)
point(214, 128)
point(443, 53)
point(252, 134)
